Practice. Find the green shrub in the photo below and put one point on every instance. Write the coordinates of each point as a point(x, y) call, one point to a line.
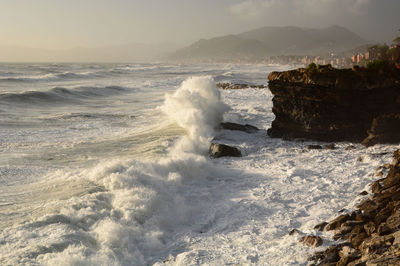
point(378, 65)
point(312, 67)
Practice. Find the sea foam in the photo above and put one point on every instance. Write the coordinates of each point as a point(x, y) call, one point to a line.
point(197, 107)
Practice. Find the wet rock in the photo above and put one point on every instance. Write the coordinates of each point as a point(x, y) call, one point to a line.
point(330, 146)
point(350, 147)
point(238, 86)
point(294, 232)
point(245, 128)
point(321, 226)
point(221, 150)
point(314, 147)
point(311, 241)
point(336, 223)
point(376, 187)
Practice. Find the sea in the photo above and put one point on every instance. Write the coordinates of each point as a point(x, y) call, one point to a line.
point(107, 164)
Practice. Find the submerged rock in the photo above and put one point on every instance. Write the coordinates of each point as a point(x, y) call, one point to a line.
point(221, 150)
point(245, 128)
point(329, 104)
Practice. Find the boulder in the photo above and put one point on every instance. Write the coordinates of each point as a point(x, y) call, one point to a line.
point(218, 150)
point(311, 241)
point(320, 226)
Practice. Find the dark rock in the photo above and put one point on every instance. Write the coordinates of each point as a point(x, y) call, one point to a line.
point(383, 229)
point(221, 150)
point(311, 241)
point(393, 221)
point(337, 222)
point(328, 104)
point(347, 255)
point(330, 146)
point(314, 147)
point(294, 232)
point(233, 126)
point(363, 193)
point(370, 228)
point(321, 226)
point(232, 86)
point(350, 147)
point(384, 129)
point(374, 229)
point(376, 187)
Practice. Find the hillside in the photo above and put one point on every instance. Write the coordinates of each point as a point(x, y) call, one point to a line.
point(269, 41)
point(220, 48)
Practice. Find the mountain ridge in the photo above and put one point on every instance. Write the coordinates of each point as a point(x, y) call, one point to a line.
point(272, 41)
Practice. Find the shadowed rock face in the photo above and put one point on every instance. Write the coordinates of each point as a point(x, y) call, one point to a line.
point(331, 104)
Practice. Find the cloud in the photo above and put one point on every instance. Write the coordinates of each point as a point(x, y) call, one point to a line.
point(255, 9)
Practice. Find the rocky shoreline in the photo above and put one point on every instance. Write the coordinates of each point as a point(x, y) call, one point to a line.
point(328, 104)
point(359, 105)
point(369, 235)
point(238, 86)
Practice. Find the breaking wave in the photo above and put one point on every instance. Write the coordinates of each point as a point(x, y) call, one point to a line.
point(52, 77)
point(60, 94)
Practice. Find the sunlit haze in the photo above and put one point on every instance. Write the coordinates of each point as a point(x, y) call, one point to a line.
point(172, 24)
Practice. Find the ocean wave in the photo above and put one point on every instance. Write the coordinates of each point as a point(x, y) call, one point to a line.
point(52, 77)
point(60, 94)
point(92, 116)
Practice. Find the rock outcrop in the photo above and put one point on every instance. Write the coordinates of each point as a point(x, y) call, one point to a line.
point(238, 127)
point(218, 150)
point(371, 234)
point(328, 104)
point(238, 86)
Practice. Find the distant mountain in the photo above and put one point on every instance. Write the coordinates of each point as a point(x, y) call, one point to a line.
point(268, 41)
point(226, 47)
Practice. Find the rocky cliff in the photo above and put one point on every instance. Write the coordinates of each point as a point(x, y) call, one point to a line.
point(328, 104)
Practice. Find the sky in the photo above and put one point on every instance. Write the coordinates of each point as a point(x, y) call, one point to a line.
point(64, 24)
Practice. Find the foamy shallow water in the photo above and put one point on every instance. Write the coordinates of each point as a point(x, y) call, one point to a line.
point(123, 179)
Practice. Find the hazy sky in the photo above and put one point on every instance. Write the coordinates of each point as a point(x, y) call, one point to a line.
point(68, 23)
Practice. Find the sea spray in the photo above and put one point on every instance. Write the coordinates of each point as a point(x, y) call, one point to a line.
point(143, 204)
point(197, 107)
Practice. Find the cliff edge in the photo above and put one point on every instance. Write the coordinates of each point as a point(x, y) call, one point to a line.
point(328, 104)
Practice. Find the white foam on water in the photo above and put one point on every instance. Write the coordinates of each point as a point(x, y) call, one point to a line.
point(186, 209)
point(196, 106)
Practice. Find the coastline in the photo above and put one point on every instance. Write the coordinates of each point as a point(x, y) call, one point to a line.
point(359, 105)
